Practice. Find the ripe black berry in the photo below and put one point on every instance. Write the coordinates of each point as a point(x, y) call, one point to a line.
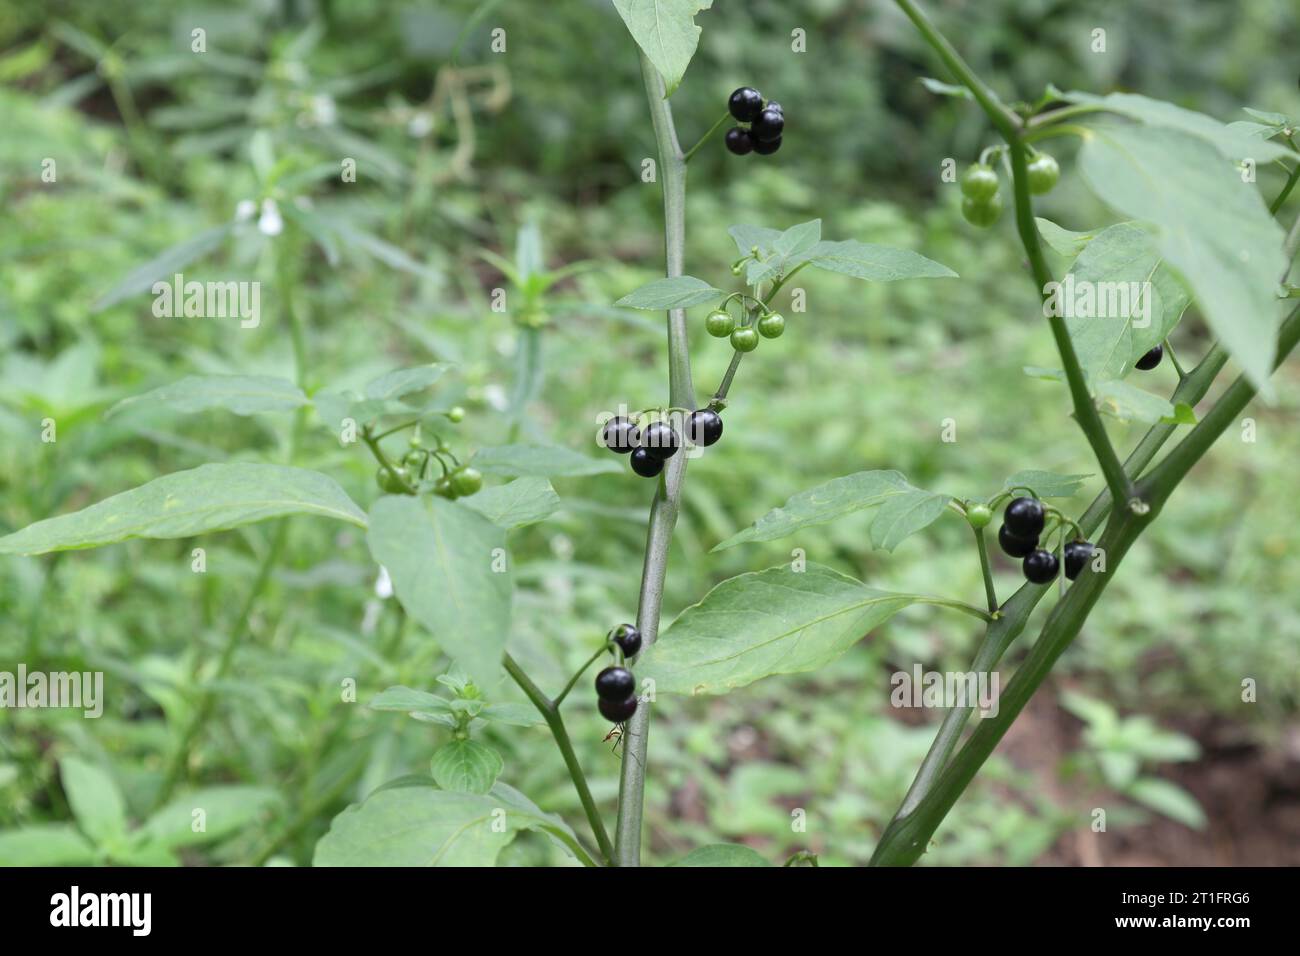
point(1151, 359)
point(768, 125)
point(1015, 546)
point(1040, 566)
point(617, 710)
point(739, 141)
point(620, 435)
point(660, 440)
point(1077, 554)
point(627, 637)
point(767, 149)
point(615, 683)
point(745, 103)
point(704, 427)
point(1024, 517)
point(774, 105)
point(644, 465)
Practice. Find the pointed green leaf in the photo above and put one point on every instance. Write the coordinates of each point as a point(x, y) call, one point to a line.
point(680, 292)
point(45, 844)
point(777, 621)
point(665, 30)
point(1169, 799)
point(1063, 241)
point(523, 501)
point(722, 854)
point(466, 766)
point(862, 260)
point(214, 497)
point(1046, 484)
point(226, 810)
point(404, 381)
point(164, 266)
point(95, 799)
point(241, 394)
point(407, 700)
point(902, 509)
point(443, 561)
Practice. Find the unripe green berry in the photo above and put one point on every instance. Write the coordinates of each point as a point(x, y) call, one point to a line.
point(1044, 171)
point(391, 482)
point(744, 340)
point(466, 481)
point(771, 325)
point(979, 516)
point(982, 214)
point(455, 414)
point(720, 323)
point(980, 182)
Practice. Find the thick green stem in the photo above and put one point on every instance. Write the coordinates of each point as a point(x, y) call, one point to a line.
point(663, 511)
point(551, 714)
point(990, 592)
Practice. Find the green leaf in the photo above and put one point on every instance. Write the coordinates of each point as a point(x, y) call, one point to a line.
point(407, 700)
point(1169, 799)
point(1046, 484)
point(466, 766)
point(164, 266)
point(1212, 228)
point(95, 799)
point(1128, 403)
point(1063, 241)
point(523, 501)
point(241, 394)
point(777, 621)
point(1161, 116)
point(539, 461)
point(45, 844)
point(214, 497)
point(722, 854)
point(441, 559)
point(680, 292)
point(417, 825)
point(226, 811)
point(786, 250)
point(665, 30)
point(902, 509)
point(402, 382)
point(749, 237)
point(940, 88)
point(1268, 118)
point(862, 260)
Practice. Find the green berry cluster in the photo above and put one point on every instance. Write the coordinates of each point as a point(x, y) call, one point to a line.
point(981, 203)
point(755, 323)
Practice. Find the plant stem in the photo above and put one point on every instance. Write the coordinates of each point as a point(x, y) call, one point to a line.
point(705, 138)
point(559, 698)
point(551, 714)
point(663, 511)
point(1286, 190)
point(989, 591)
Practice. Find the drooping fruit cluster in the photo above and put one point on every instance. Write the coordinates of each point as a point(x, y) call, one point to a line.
point(412, 474)
point(762, 123)
point(1151, 359)
point(981, 203)
point(648, 448)
point(1022, 525)
point(768, 324)
point(616, 693)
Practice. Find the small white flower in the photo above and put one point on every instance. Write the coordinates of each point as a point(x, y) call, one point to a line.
point(420, 125)
point(270, 223)
point(383, 584)
point(496, 397)
point(245, 210)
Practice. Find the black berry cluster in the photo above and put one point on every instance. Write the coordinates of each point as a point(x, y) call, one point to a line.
point(616, 693)
point(653, 445)
point(1022, 525)
point(762, 123)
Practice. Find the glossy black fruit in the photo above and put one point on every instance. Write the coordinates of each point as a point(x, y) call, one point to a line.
point(1024, 517)
point(745, 103)
point(704, 427)
point(1040, 566)
point(660, 440)
point(1014, 546)
point(627, 637)
point(768, 125)
point(767, 149)
point(774, 105)
point(617, 710)
point(645, 465)
point(739, 141)
point(615, 683)
point(620, 435)
point(1077, 555)
point(1151, 359)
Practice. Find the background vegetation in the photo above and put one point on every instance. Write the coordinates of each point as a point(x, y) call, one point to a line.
point(459, 149)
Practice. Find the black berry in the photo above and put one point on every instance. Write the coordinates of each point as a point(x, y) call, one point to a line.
point(1151, 359)
point(617, 710)
point(620, 435)
point(774, 105)
point(615, 683)
point(1024, 517)
point(627, 637)
point(739, 141)
point(768, 126)
point(1014, 546)
point(745, 103)
point(660, 440)
point(1040, 566)
point(767, 149)
point(704, 427)
point(1077, 555)
point(645, 465)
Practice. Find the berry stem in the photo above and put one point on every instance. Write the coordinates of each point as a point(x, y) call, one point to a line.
point(990, 593)
point(373, 444)
point(1178, 367)
point(551, 714)
point(559, 698)
point(722, 120)
point(663, 511)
